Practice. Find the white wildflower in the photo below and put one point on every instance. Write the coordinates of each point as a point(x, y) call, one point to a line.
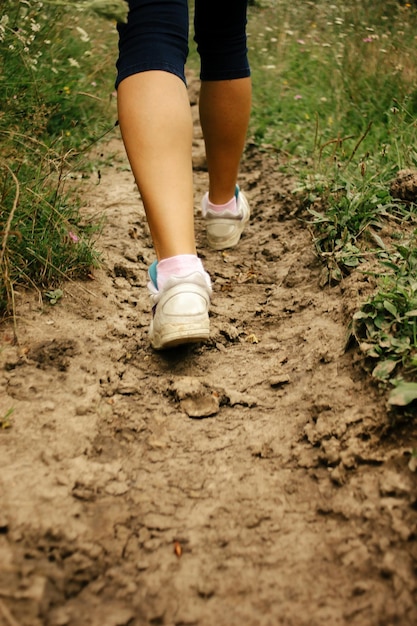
point(73, 62)
point(84, 36)
point(3, 23)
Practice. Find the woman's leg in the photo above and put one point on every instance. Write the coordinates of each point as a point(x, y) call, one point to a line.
point(156, 125)
point(155, 118)
point(224, 114)
point(225, 98)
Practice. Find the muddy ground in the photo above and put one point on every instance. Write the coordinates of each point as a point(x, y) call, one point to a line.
point(255, 480)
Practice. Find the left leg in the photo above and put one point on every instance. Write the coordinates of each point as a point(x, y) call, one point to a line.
point(156, 125)
point(155, 118)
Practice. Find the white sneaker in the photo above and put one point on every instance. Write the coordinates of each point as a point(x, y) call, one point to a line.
point(224, 229)
point(180, 312)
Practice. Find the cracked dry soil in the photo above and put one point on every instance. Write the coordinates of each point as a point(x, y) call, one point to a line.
point(254, 480)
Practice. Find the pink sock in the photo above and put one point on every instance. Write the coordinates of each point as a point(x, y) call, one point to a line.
point(180, 265)
point(230, 206)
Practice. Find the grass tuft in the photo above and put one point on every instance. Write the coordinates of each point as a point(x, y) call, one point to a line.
point(335, 93)
point(53, 75)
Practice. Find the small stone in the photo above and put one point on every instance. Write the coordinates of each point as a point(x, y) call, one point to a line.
point(157, 521)
point(35, 595)
point(236, 397)
point(348, 459)
point(49, 406)
point(338, 475)
point(330, 451)
point(361, 587)
point(81, 410)
point(60, 616)
point(116, 489)
point(206, 589)
point(307, 458)
point(187, 386)
point(279, 381)
point(200, 405)
point(388, 566)
point(393, 484)
point(128, 385)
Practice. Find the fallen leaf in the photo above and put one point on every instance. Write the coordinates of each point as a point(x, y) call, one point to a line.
point(177, 549)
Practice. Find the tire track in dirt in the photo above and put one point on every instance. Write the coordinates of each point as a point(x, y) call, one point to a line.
point(282, 506)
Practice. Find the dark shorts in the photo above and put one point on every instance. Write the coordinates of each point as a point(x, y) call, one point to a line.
point(156, 38)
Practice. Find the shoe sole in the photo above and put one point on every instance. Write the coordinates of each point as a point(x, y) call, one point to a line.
point(177, 336)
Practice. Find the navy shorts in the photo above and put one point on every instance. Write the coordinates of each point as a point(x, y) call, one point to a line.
point(156, 38)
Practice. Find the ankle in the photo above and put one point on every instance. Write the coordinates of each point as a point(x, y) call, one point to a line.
point(180, 265)
point(230, 206)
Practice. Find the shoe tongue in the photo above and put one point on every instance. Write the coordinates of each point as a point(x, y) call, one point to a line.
point(152, 274)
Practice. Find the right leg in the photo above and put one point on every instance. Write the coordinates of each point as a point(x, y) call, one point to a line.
point(225, 98)
point(224, 114)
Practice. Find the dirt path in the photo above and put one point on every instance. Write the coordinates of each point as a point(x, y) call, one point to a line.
point(122, 506)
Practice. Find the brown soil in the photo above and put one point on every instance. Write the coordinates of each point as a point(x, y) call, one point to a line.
point(255, 480)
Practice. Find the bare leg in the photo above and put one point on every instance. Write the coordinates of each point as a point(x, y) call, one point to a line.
point(224, 115)
point(156, 125)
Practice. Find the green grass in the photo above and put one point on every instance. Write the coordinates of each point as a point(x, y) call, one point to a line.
point(57, 80)
point(325, 70)
point(335, 93)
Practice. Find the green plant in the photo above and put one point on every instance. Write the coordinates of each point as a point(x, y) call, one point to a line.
point(335, 93)
point(345, 229)
point(54, 107)
point(5, 421)
point(54, 295)
point(386, 326)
